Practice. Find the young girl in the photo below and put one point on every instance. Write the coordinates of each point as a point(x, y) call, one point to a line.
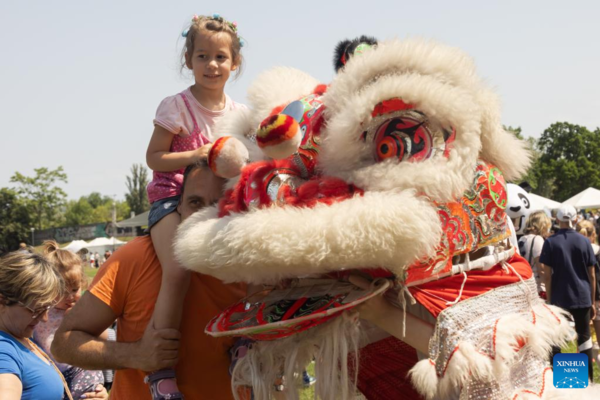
point(182, 136)
point(70, 267)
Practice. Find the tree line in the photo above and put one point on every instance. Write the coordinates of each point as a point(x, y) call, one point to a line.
point(39, 202)
point(566, 160)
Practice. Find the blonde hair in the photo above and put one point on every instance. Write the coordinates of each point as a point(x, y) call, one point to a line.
point(29, 278)
point(587, 229)
point(212, 25)
point(67, 263)
point(538, 223)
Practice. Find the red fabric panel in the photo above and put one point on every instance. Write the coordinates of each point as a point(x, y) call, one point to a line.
point(383, 370)
point(434, 295)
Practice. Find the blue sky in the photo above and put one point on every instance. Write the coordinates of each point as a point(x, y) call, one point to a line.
point(80, 80)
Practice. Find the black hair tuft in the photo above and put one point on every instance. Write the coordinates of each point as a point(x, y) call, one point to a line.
point(345, 50)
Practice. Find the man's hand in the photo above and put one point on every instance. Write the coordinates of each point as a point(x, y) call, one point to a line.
point(593, 312)
point(157, 349)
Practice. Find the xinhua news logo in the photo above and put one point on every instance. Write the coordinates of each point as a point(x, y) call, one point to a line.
point(570, 371)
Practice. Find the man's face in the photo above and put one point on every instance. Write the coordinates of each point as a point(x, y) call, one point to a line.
point(202, 188)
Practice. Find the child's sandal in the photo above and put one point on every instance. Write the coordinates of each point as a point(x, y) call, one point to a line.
point(155, 379)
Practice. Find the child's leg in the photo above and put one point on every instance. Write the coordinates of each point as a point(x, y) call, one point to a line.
point(169, 304)
point(175, 279)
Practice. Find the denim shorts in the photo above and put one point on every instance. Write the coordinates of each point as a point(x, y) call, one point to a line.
point(162, 208)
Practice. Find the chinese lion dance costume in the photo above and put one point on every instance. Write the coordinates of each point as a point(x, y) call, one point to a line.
point(397, 169)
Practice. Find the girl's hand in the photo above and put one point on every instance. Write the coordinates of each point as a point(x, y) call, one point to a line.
point(99, 393)
point(374, 310)
point(202, 152)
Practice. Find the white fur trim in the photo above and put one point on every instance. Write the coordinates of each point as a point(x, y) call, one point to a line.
point(424, 378)
point(422, 57)
point(388, 230)
point(500, 147)
point(345, 155)
point(284, 149)
point(240, 124)
point(231, 159)
point(276, 87)
point(383, 72)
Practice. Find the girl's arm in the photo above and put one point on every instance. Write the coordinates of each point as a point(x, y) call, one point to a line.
point(161, 159)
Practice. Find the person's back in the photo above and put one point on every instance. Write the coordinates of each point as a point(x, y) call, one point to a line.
point(569, 254)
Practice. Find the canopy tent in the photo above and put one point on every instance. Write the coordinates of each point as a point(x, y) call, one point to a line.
point(589, 198)
point(76, 245)
point(100, 245)
point(138, 220)
point(544, 202)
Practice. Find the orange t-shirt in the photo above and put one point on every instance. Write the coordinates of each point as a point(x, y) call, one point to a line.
point(129, 283)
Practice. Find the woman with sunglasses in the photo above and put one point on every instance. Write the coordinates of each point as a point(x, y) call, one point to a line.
point(29, 288)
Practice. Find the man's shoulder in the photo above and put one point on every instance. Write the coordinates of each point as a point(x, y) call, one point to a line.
point(137, 256)
point(136, 249)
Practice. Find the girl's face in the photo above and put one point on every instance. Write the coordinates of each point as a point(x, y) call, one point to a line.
point(211, 62)
point(18, 320)
point(73, 295)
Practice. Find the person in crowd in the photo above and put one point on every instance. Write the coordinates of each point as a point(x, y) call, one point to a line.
point(29, 287)
point(182, 135)
point(537, 229)
point(70, 268)
point(568, 260)
point(106, 255)
point(126, 289)
point(588, 229)
point(97, 260)
point(92, 260)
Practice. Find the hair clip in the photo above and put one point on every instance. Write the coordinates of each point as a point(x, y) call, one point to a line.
point(216, 16)
point(242, 42)
point(185, 33)
point(195, 18)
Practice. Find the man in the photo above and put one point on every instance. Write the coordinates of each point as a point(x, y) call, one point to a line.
point(126, 289)
point(568, 261)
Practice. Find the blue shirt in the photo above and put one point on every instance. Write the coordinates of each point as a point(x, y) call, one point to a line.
point(569, 254)
point(40, 381)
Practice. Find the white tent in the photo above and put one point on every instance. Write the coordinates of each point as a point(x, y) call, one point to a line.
point(76, 245)
point(100, 245)
point(589, 198)
point(544, 202)
point(138, 220)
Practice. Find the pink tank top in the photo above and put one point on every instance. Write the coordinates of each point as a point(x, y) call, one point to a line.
point(168, 184)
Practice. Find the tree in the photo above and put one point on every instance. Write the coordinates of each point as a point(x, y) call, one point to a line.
point(569, 159)
point(79, 212)
point(94, 209)
point(16, 220)
point(42, 195)
point(137, 199)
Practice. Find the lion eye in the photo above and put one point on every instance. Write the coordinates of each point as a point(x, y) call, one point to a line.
point(400, 132)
